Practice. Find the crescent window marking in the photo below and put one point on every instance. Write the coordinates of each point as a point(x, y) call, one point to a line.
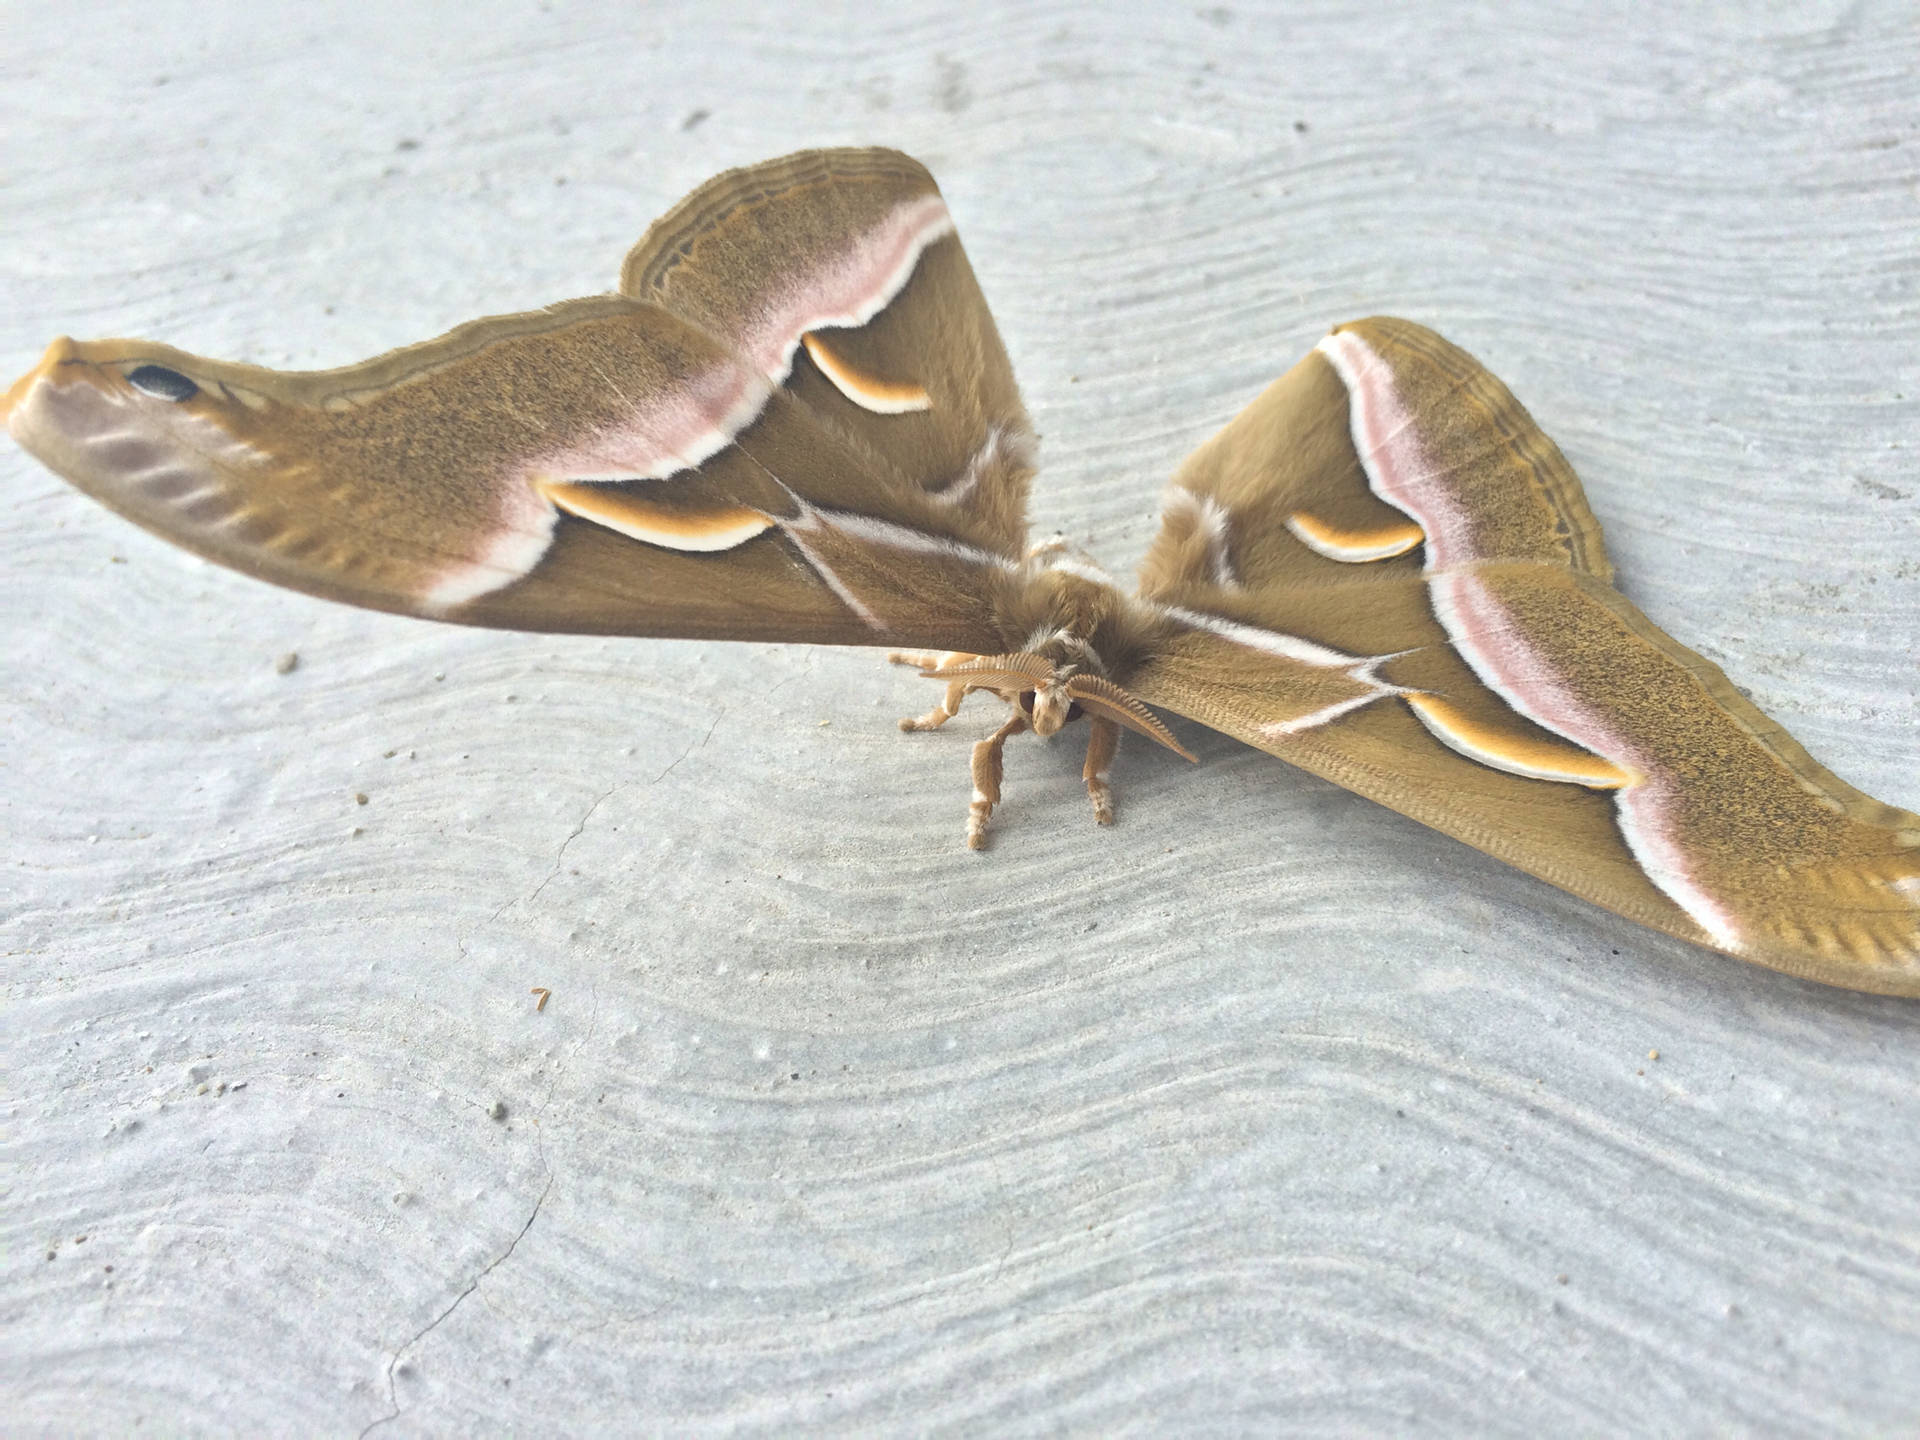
point(882, 397)
point(1516, 754)
point(1353, 547)
point(721, 527)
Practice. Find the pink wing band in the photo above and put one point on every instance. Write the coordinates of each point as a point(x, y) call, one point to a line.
point(1387, 440)
point(1486, 636)
point(667, 432)
point(847, 288)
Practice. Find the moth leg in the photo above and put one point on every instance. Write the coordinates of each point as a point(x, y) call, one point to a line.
point(956, 692)
point(926, 659)
point(1102, 744)
point(988, 767)
point(941, 713)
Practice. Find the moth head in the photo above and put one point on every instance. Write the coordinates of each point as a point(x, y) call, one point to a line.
point(1037, 686)
point(1051, 706)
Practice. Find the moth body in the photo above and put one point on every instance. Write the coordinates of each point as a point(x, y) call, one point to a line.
point(1078, 629)
point(796, 421)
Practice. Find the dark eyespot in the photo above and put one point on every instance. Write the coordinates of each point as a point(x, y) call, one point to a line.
point(162, 383)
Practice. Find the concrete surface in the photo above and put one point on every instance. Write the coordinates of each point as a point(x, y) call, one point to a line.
point(1264, 1111)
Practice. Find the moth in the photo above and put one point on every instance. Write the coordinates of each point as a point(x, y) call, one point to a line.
point(795, 421)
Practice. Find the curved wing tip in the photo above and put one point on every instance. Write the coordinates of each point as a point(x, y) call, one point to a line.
point(63, 349)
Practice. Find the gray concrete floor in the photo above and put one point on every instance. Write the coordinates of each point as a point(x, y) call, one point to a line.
point(1263, 1111)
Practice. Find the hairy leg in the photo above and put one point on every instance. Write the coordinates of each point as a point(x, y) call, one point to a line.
point(925, 660)
point(941, 713)
point(988, 767)
point(1102, 744)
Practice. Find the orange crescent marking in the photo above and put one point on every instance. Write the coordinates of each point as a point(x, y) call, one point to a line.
point(883, 397)
point(1517, 754)
point(720, 527)
point(1353, 547)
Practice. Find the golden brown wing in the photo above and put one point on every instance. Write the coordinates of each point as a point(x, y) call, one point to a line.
point(838, 274)
point(1386, 452)
point(1490, 682)
point(614, 465)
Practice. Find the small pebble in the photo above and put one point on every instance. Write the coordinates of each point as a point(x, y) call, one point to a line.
point(498, 1110)
point(287, 663)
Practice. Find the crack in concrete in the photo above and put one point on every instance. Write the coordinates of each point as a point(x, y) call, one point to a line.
point(691, 747)
point(393, 1398)
point(540, 1143)
point(797, 675)
point(560, 855)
